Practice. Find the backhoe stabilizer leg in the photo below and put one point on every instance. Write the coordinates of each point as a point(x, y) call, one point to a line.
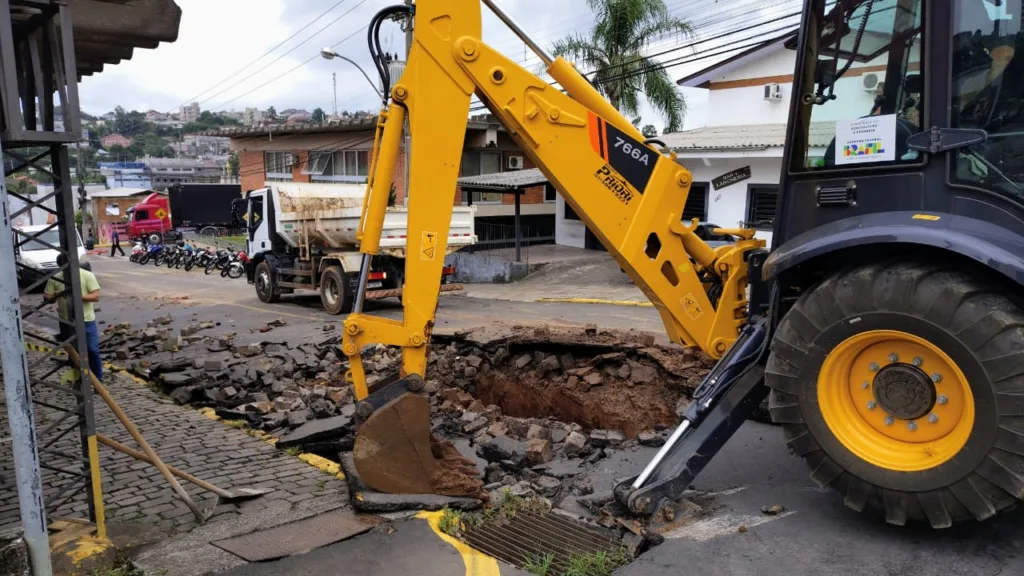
point(723, 401)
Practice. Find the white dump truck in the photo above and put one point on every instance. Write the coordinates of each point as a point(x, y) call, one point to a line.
point(303, 237)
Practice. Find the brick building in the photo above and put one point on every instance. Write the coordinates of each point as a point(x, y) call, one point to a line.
point(340, 152)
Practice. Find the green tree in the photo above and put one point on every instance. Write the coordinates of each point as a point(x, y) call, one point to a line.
point(319, 116)
point(233, 162)
point(615, 50)
point(271, 114)
point(649, 131)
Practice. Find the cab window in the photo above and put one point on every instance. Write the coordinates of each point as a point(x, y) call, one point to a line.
point(988, 94)
point(255, 214)
point(867, 96)
point(142, 214)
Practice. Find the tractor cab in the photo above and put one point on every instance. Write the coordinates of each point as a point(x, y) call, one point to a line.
point(922, 105)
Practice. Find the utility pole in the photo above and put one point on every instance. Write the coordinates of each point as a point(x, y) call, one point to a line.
point(334, 78)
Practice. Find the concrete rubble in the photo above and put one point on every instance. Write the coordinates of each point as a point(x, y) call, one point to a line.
point(541, 407)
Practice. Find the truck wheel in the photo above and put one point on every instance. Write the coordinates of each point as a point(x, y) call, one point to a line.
point(156, 238)
point(334, 291)
point(266, 287)
point(899, 384)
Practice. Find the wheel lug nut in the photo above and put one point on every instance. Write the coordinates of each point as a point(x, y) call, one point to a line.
point(942, 399)
point(936, 377)
point(889, 420)
point(894, 357)
point(865, 385)
point(918, 361)
point(933, 418)
point(912, 426)
point(871, 405)
point(873, 367)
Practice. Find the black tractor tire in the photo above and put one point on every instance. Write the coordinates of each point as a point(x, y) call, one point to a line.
point(981, 333)
point(335, 293)
point(266, 286)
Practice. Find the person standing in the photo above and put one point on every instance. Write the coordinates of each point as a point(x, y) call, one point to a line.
point(60, 291)
point(115, 242)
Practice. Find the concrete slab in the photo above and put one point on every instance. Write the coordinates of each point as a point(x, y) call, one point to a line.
point(409, 547)
point(295, 537)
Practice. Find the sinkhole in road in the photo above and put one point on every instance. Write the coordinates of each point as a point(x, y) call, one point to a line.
point(598, 383)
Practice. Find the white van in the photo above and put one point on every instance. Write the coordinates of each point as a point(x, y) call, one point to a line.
point(36, 256)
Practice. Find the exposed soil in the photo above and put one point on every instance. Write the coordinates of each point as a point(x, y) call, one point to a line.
point(611, 406)
point(599, 380)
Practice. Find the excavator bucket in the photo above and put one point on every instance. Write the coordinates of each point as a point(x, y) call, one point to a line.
point(395, 453)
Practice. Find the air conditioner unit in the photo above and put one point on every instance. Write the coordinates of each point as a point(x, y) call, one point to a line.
point(514, 162)
point(870, 82)
point(773, 91)
point(290, 160)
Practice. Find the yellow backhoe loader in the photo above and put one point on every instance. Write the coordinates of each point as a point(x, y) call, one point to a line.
point(886, 321)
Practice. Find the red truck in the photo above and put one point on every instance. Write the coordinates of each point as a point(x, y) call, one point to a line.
point(150, 218)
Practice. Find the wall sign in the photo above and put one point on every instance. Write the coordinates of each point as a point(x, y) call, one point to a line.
point(730, 178)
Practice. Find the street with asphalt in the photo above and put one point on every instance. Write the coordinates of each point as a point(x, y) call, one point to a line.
point(815, 534)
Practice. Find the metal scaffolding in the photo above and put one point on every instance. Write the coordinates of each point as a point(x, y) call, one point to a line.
point(39, 116)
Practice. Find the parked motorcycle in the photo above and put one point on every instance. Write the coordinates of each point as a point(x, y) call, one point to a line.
point(137, 251)
point(235, 267)
point(154, 253)
point(220, 259)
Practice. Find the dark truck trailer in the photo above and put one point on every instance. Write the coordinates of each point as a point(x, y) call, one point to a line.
point(204, 207)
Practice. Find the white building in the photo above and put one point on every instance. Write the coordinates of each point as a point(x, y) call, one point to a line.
point(190, 112)
point(252, 117)
point(740, 147)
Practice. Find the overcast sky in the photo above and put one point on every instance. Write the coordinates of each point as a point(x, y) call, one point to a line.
point(219, 37)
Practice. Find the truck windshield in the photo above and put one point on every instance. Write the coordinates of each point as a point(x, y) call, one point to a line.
point(50, 237)
point(867, 94)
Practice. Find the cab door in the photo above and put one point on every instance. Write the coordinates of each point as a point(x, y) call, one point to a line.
point(256, 223)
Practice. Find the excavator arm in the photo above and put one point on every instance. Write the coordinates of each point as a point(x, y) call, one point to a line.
point(629, 191)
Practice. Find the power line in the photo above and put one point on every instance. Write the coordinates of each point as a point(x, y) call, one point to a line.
point(279, 76)
point(292, 49)
point(265, 54)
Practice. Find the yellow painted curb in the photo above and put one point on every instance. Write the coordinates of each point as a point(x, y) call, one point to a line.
point(597, 301)
point(477, 563)
point(323, 464)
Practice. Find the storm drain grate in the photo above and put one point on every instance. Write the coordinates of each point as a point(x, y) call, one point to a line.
point(529, 538)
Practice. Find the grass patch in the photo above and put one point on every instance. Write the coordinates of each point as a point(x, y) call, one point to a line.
point(539, 564)
point(321, 484)
point(237, 424)
point(451, 522)
point(122, 567)
point(595, 563)
point(292, 451)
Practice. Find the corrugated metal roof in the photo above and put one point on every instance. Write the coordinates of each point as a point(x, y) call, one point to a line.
point(119, 193)
point(743, 137)
point(345, 125)
point(513, 180)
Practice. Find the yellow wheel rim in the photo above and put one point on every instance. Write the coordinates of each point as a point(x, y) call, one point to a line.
point(851, 380)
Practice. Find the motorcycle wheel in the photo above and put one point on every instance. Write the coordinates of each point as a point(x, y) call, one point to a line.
point(144, 259)
point(211, 266)
point(224, 271)
point(189, 264)
point(236, 271)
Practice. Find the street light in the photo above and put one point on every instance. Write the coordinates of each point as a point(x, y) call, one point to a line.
point(329, 54)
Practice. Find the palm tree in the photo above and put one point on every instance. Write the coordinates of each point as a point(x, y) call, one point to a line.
point(614, 50)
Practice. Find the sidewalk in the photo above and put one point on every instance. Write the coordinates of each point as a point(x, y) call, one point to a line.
point(596, 276)
point(135, 492)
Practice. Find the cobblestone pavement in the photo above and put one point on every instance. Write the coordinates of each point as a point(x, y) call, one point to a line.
point(135, 491)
